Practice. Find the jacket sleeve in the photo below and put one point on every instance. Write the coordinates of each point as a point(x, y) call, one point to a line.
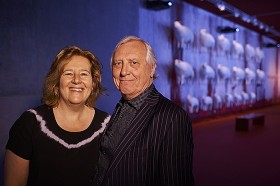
point(177, 151)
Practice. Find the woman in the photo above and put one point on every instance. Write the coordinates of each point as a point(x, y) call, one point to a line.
point(56, 143)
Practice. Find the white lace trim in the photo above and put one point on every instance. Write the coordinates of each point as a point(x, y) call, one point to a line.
point(51, 135)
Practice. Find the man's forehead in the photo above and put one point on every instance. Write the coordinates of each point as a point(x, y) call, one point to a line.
point(129, 52)
point(137, 45)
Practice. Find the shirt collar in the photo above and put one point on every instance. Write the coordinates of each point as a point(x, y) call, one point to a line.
point(137, 101)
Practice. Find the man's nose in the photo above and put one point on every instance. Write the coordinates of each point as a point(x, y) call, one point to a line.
point(124, 69)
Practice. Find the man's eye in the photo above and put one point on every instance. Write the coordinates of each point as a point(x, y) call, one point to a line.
point(134, 63)
point(117, 63)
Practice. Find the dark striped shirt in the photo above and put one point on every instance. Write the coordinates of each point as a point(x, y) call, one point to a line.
point(124, 113)
point(155, 150)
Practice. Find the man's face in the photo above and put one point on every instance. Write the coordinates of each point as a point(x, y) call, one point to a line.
point(131, 72)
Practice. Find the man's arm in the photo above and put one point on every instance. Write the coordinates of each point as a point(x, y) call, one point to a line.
point(177, 152)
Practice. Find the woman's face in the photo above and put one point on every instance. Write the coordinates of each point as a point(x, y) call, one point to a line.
point(76, 82)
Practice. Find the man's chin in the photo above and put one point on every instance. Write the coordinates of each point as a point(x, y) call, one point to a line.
point(125, 92)
point(125, 88)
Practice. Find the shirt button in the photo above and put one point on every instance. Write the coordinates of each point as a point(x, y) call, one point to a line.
point(109, 133)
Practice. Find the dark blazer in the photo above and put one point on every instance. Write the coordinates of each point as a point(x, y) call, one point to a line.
point(156, 149)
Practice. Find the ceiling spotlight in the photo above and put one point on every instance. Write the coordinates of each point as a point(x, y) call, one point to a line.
point(261, 26)
point(255, 21)
point(246, 18)
point(271, 45)
point(227, 29)
point(266, 28)
point(236, 13)
point(158, 4)
point(221, 6)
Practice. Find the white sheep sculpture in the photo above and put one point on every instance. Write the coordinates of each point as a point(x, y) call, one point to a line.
point(223, 71)
point(250, 75)
point(223, 44)
point(184, 71)
point(183, 34)
point(237, 49)
point(206, 71)
point(193, 104)
point(259, 55)
point(206, 103)
point(207, 40)
point(249, 52)
point(238, 73)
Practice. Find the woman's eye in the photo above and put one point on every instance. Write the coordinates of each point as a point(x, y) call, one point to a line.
point(84, 74)
point(68, 73)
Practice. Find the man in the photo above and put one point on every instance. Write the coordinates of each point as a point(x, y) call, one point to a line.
point(149, 138)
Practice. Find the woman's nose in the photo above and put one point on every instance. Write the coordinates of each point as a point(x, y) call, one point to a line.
point(76, 78)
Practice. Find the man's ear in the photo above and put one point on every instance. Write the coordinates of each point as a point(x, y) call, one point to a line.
point(153, 71)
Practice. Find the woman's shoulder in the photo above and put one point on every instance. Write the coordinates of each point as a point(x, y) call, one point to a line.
point(101, 113)
point(102, 116)
point(41, 109)
point(30, 114)
point(26, 123)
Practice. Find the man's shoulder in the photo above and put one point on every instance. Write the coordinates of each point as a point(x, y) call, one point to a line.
point(164, 100)
point(171, 104)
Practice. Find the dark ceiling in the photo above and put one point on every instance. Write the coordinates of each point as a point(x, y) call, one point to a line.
point(265, 11)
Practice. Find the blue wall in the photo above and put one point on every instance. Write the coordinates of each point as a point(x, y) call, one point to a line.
point(33, 31)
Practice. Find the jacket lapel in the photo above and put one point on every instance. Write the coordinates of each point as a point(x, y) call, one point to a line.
point(136, 127)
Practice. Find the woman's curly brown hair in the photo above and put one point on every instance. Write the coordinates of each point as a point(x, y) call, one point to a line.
point(51, 84)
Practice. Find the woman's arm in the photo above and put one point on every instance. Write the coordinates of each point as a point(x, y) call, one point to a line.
point(15, 169)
